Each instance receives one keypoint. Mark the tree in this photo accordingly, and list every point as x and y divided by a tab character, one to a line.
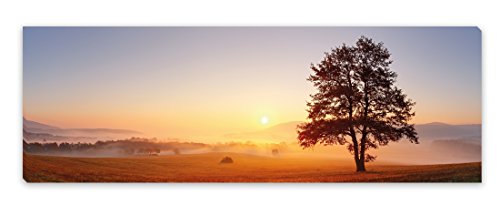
357	103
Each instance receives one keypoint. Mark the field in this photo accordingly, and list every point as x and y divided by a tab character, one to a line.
246	168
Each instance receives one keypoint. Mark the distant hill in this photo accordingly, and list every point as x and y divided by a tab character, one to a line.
283	129
431	131
48	138
34	127
441	130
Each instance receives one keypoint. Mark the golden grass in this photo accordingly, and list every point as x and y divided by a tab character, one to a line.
246	168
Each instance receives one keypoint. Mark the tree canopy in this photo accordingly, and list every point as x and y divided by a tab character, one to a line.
357	102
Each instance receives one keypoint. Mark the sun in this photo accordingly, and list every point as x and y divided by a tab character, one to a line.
264	120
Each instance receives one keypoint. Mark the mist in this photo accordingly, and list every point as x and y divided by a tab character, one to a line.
439	144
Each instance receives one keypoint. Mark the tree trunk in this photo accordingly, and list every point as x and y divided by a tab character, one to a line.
356	152
360	166
360	162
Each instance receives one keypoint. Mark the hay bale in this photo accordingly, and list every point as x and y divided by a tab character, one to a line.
226	160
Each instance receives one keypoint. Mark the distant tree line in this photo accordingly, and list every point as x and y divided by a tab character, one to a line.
133	146
144	146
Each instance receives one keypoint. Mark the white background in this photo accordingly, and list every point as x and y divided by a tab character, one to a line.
16	14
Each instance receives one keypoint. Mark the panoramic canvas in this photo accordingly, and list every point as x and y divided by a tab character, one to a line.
251	104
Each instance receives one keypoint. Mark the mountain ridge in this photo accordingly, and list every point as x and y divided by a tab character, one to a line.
37	127
286	131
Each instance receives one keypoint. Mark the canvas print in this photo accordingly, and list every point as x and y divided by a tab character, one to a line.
251	104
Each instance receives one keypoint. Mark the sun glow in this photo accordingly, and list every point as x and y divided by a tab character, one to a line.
264	120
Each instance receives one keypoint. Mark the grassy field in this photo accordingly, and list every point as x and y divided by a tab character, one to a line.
246	168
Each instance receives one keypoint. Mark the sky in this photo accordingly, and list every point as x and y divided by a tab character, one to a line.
189	82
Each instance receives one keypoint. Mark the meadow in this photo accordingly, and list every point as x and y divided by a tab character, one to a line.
206	167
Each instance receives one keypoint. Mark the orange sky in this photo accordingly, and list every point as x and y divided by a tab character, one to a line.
204	82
